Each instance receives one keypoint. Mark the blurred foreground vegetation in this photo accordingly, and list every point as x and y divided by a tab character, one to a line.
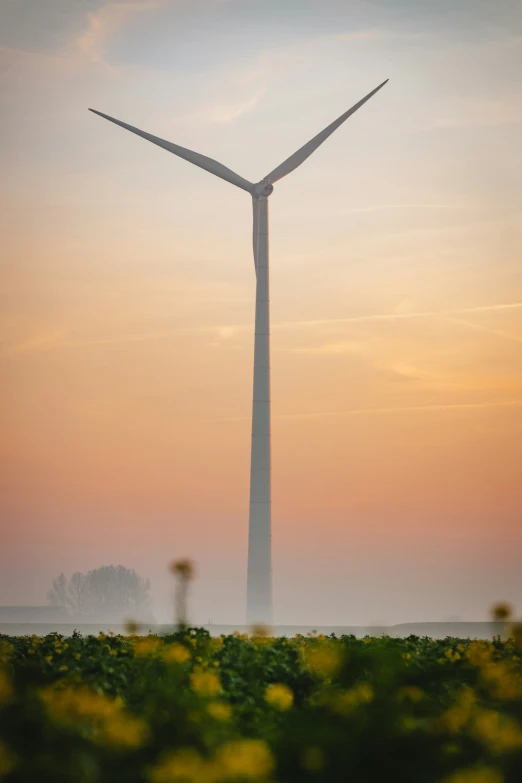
189	708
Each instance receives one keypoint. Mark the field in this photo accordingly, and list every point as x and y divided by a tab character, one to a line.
189	708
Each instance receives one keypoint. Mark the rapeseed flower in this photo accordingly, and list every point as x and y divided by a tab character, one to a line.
324	660
502	612
279	696
94	715
176	653
500	733
184	765
219	710
458	716
480	653
205	684
503	682
124	731
344	702
147	646
183	568
248	759
478	774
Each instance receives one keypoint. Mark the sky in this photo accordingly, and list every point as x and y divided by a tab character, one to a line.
127	301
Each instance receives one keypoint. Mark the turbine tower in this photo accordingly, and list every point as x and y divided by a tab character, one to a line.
259	575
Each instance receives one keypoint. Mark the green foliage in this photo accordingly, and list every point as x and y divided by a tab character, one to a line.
188	708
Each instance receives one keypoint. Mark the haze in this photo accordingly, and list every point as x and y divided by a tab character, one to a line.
127	298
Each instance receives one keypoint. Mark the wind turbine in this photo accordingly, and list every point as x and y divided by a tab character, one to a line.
259	575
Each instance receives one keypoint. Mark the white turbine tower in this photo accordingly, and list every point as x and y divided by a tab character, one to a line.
259	576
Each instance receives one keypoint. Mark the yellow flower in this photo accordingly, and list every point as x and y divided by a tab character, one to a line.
6	651
176	653
516	635
132	627
6	689
454	719
219	710
125	731
312	759
183	568
499	733
479	774
324	660
94	715
502	612
147	646
181	765
261	632
7	759
452	655
249	758
279	696
344	702
63	668
205	684
480	653
504	683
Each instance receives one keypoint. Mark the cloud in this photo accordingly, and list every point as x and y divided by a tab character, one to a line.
57	339
379	207
398	316
102	24
38	343
405	409
223	113
332	348
400	409
487	330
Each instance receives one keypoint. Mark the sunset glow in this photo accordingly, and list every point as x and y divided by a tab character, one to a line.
127	297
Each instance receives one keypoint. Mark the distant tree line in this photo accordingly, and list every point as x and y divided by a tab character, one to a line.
109	590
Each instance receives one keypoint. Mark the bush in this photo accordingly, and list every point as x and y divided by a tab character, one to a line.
188	708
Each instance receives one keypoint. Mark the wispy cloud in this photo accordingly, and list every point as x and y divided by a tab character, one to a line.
392	410
37	343
398	316
405	409
223	113
332	348
105	22
382	207
487	330
59	339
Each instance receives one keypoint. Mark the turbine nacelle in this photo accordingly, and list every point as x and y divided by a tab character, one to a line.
262	188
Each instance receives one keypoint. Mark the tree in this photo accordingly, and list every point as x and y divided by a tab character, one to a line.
57	594
103	591
77	592
117	589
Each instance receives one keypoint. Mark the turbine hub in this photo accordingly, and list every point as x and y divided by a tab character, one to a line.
263	188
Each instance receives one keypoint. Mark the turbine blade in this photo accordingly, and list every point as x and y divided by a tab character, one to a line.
255	211
193	157
304	152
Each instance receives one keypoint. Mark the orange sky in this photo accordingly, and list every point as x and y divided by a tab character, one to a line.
127	290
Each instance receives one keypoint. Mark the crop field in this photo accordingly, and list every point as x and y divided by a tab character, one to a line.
189	708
